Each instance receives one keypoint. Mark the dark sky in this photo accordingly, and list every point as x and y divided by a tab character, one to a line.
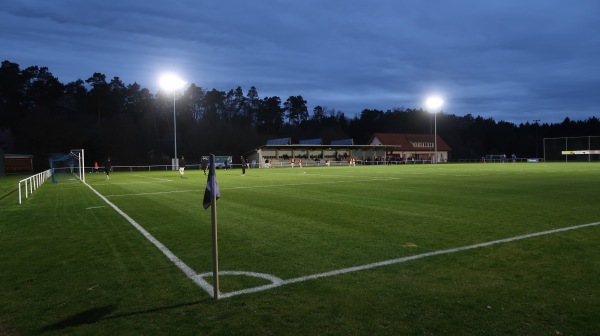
511	60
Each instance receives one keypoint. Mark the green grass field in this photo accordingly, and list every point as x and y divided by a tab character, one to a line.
72	264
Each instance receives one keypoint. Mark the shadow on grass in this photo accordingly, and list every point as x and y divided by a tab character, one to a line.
154	310
89	316
94	315
8	194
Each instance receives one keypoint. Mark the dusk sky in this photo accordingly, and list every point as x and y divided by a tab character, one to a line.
511	60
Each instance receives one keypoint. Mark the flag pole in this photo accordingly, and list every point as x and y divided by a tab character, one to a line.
215	247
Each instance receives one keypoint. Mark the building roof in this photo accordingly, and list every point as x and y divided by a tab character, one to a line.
342	142
281	141
409	142
311	142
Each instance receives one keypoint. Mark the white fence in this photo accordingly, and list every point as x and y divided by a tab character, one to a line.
32	183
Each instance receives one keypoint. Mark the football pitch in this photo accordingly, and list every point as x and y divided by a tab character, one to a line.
448	249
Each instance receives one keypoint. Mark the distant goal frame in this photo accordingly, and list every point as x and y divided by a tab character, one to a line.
572	149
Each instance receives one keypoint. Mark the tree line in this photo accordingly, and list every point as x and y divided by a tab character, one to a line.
40	115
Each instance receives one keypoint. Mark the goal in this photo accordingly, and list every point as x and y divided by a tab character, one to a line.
572	149
69	167
495	158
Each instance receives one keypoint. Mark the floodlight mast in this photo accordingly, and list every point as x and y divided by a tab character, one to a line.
434	105
173	83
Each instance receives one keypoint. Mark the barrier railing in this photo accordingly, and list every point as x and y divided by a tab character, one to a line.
32	183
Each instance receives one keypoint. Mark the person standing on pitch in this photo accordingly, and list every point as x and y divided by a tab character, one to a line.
107	168
204	165
181	166
244	164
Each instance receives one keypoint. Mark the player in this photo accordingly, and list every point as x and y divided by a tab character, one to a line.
181	166
244	165
204	165
107	168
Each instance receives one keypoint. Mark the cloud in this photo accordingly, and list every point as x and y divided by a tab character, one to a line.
509	60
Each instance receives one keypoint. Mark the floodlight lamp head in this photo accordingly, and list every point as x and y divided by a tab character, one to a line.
171	82
434	104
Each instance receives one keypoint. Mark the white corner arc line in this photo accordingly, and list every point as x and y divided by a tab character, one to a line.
180	264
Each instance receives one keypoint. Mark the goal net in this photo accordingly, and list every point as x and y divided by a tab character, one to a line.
572	149
495	158
68	168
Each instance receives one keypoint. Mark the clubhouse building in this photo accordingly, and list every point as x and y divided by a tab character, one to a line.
392	148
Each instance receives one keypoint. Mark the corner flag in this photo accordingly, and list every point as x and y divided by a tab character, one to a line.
211	194
212	187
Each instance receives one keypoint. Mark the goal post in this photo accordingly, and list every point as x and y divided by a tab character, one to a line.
69	167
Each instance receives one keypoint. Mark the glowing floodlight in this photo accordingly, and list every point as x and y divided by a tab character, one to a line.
173	83
434	105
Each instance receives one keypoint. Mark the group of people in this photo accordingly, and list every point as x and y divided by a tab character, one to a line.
182	163
293	162
107	167
204	165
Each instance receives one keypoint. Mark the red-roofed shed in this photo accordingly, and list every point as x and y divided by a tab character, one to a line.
412	146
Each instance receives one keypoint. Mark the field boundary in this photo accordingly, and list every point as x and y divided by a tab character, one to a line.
277	282
170	255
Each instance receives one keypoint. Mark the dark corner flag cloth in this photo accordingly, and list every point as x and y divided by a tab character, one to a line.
212	188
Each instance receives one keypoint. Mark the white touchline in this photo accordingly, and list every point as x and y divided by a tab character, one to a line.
156	193
399	260
314	183
182	266
154	178
277	282
254	187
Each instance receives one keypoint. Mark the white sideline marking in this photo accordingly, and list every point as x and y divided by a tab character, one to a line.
103	182
277	282
314	183
96	207
182	266
154	178
256	187
155	193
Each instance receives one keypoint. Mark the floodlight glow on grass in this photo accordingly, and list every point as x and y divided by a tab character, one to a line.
434	104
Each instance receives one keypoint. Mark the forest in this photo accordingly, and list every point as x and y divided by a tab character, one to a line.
40	116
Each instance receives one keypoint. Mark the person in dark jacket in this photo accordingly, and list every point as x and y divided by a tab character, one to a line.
107	168
204	165
244	165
